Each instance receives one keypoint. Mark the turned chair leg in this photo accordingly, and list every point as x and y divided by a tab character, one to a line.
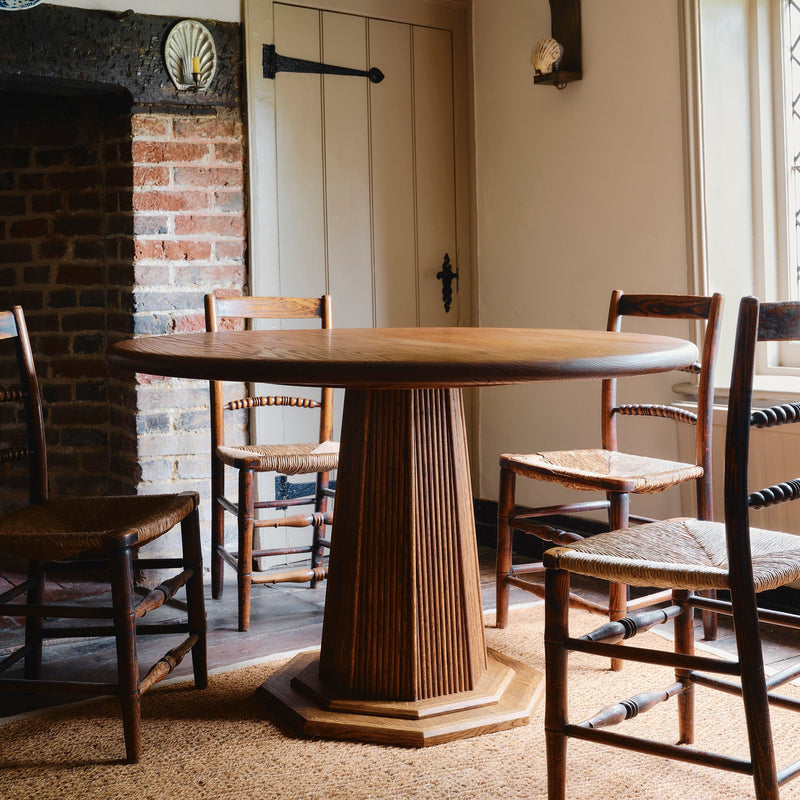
556	631
705	510
33	625
217	527
618	513
244	568
196	612
121	564
505	510
684	643
754	695
709	618
320	507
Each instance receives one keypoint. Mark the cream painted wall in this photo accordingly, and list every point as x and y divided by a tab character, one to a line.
579	191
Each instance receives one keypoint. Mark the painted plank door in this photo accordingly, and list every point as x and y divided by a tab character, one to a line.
359	189
366	183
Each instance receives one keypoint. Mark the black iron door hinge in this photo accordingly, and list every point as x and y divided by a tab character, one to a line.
274	62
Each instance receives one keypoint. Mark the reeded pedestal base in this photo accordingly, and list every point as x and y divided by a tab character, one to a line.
403	658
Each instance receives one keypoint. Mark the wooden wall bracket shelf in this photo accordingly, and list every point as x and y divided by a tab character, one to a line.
565	27
559	78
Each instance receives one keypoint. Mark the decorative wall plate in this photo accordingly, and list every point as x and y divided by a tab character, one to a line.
18	5
188	40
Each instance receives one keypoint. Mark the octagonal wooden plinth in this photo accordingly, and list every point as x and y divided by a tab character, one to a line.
504	698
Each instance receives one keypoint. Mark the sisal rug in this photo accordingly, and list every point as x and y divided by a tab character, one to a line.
220	744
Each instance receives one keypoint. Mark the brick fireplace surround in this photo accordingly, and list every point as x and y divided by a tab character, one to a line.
121	205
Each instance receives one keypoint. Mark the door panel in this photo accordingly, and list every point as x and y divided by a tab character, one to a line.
366	172
435	170
347	171
299	142
394	209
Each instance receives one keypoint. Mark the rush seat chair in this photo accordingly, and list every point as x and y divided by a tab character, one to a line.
318	458
686	556
607	469
94	534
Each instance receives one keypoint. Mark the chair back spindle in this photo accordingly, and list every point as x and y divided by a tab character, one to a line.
14	329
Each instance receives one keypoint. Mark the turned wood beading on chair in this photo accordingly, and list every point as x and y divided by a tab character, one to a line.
694	369
14	394
272	400
665	412
779	493
14	454
784	414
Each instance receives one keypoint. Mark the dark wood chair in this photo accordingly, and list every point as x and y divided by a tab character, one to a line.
686	556
320	458
607	469
93	534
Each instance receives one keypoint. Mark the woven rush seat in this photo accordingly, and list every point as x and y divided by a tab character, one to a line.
63	528
607	470
288	459
678	554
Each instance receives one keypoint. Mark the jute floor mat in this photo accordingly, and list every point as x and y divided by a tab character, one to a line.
220	744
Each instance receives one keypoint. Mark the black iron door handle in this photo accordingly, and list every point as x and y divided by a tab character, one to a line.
446	275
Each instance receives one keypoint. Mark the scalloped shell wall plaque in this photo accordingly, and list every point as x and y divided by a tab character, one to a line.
546	57
186	41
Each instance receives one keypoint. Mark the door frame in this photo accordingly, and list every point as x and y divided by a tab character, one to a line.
453	15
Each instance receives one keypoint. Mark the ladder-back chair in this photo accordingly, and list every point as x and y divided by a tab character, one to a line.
608	470
91	533
686	556
319	458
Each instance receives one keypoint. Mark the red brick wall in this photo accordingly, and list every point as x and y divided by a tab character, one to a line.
113	225
189	236
57	179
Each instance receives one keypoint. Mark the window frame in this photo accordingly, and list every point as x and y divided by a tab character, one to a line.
786	86
739	108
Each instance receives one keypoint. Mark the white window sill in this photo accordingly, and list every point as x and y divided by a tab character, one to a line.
767	390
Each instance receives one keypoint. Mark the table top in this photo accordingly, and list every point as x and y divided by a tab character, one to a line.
402	357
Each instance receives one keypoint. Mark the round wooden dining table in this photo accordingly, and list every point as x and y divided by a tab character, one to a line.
403	658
